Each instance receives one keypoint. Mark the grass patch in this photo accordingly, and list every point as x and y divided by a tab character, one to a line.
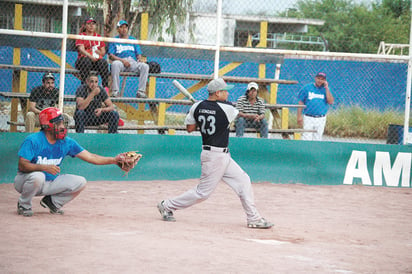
355	122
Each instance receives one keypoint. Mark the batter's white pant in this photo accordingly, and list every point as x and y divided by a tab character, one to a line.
140	67
217	166
62	190
316	123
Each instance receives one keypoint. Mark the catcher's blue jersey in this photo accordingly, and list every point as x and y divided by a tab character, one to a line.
38	150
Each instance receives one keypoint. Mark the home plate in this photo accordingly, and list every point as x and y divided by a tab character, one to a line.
267	242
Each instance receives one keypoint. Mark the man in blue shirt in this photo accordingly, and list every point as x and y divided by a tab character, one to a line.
40	157
127	57
316	97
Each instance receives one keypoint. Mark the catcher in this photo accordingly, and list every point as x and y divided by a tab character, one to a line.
40	157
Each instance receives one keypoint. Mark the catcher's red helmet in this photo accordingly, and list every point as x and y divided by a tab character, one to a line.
48	118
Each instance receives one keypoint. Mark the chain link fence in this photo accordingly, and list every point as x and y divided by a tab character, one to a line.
262	45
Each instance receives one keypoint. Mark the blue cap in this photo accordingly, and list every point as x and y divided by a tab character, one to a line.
121	23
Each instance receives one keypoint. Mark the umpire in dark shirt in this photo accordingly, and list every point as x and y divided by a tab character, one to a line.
94	107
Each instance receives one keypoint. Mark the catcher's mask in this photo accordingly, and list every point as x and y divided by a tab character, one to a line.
49	118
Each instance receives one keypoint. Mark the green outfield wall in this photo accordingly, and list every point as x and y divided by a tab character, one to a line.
168	157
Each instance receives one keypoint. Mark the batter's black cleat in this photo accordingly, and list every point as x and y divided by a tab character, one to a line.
166	215
24	211
262	224
46	202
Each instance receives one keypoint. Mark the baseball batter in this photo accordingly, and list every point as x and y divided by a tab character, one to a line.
213	117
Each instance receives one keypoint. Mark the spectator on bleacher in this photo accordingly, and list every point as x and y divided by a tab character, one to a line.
251	112
41	97
316	96
127	57
94	107
90	55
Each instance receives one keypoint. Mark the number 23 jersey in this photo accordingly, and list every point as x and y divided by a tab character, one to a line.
213	119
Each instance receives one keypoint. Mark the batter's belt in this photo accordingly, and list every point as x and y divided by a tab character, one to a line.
216	149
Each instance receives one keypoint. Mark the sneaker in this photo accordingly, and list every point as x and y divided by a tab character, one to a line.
262	223
141	94
166	215
115	94
46	202
23	211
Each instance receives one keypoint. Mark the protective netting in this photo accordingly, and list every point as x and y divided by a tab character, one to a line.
368	89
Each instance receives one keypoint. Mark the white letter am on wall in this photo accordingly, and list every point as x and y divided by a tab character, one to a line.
358	158
382	165
357	167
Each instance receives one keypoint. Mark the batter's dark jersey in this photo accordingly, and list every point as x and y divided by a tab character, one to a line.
213	119
44	99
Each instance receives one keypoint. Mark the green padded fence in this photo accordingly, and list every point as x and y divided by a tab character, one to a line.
169	157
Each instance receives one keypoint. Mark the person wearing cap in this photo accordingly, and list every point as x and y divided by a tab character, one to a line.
317	97
251	112
90	54
212	117
41	97
127	57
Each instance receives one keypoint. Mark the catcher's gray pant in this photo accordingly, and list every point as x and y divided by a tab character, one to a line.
218	166
62	190
140	67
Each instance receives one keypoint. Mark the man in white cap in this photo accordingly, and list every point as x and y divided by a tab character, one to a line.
213	117
127	57
251	112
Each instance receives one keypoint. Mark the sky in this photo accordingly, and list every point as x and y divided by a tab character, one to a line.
253	6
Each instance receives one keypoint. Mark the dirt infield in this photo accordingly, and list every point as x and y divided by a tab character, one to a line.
114	227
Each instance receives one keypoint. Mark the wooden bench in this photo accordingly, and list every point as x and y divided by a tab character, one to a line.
140	114
157	107
285	133
152	76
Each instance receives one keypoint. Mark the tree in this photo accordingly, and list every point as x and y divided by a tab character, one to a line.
397	8
357	28
161	13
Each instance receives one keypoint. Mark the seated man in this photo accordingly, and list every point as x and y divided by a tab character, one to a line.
42	97
90	54
127	57
89	111
251	112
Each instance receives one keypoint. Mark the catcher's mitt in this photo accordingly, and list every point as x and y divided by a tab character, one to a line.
128	160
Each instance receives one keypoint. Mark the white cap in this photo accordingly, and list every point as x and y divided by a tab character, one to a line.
218	84
252	85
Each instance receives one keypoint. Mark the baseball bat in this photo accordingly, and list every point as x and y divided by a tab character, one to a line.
184	91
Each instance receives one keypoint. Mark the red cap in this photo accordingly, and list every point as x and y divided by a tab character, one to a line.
89	20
